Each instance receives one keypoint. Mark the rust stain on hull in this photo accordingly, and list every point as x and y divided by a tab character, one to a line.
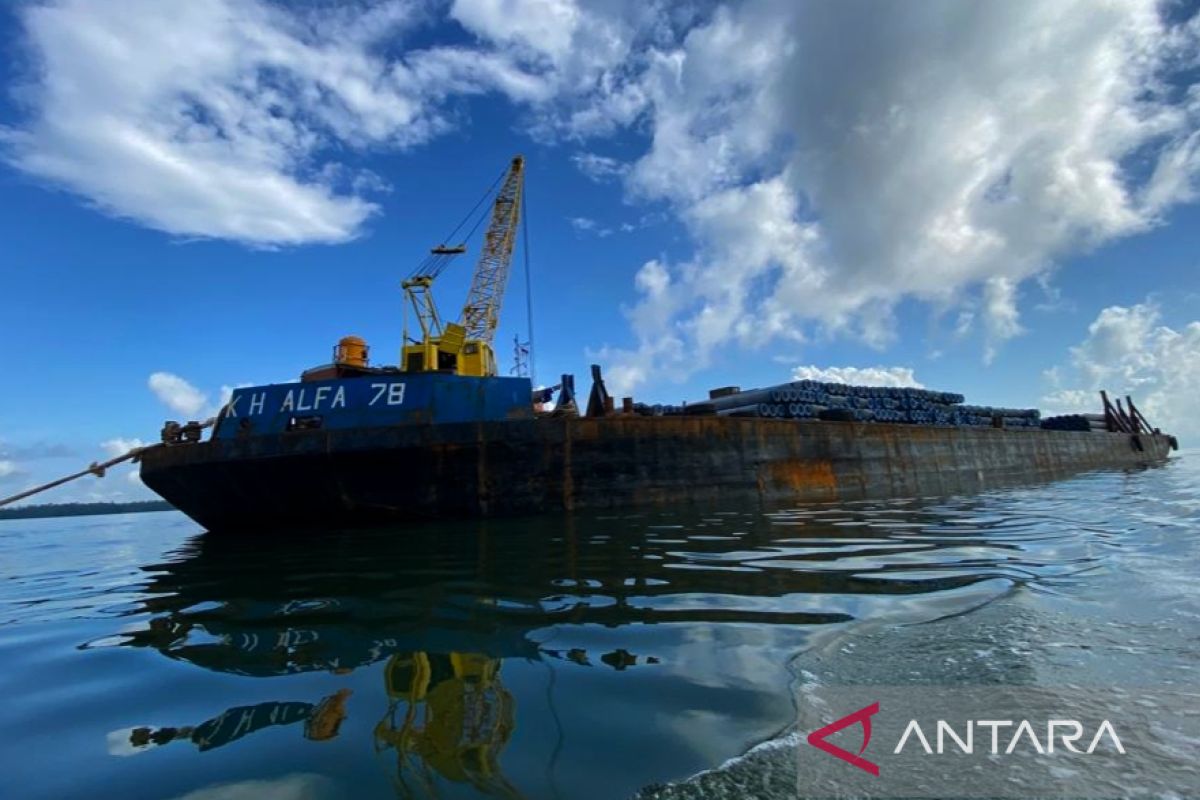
801	478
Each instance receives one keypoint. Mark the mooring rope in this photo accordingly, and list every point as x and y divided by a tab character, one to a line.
98	469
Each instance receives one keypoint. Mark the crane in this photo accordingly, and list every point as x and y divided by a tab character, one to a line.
465	347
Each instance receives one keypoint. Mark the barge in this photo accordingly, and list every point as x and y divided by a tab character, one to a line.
442	435
454	447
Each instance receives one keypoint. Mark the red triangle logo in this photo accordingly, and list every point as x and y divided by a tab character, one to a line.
863	715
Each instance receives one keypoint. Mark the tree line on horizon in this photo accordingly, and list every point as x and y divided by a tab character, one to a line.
81	509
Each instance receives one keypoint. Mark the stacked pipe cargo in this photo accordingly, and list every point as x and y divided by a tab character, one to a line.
1076	422
808	399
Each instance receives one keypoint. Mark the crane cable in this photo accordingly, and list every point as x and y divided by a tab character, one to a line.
528	285
434	263
98	469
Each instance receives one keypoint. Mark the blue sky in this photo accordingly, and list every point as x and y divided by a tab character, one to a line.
995	198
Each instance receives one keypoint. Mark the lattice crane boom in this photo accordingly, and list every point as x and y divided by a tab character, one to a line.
481	314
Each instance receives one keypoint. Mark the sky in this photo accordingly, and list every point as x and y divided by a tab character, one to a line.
996	198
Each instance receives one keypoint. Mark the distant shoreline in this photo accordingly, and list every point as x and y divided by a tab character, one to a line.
81	509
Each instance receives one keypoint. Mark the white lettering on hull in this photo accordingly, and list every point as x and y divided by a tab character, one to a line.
322	397
393	392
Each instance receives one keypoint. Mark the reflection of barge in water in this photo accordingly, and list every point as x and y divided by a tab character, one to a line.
441	435
235	604
466	624
437	639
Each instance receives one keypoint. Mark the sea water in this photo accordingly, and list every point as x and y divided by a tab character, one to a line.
665	653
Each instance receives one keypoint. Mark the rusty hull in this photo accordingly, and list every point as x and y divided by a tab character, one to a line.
320	478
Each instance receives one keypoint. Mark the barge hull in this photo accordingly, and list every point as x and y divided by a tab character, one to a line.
338	478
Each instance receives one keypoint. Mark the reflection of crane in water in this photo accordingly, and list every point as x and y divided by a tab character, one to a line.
448	715
321	723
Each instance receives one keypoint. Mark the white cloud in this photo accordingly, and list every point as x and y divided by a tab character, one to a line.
13	461
1001	317
177	394
207	119
861	154
183	397
599	168
590	226
545	27
120	446
1128	351
661	351
585	57
231	118
859	376
35	451
1071	401
750	238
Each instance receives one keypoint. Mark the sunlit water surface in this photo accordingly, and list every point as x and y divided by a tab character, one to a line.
584	656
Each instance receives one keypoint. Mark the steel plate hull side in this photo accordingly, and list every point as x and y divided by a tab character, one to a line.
322	478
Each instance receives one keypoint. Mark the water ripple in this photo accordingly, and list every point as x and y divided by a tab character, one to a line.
676	632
